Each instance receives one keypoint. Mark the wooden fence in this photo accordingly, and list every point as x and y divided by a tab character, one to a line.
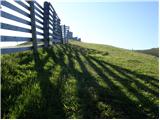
52	32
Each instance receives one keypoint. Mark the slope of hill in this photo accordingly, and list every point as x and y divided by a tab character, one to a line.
80	80
153	51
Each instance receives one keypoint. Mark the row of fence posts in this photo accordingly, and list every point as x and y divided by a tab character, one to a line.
45	27
50	19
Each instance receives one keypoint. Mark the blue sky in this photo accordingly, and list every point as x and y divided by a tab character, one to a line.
131	25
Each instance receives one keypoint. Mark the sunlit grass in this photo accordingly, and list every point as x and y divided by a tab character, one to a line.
80	80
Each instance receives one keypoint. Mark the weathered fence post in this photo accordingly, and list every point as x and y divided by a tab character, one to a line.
64	41
46	24
33	29
53	26
61	34
59	30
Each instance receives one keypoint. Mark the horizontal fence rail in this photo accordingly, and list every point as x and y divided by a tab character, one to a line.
17	49
13	50
42	20
13	39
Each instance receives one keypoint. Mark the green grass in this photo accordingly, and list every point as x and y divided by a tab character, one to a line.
153	51
80	80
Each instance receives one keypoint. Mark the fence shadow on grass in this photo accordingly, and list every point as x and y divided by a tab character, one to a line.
90	109
85	83
128	107
94	100
50	104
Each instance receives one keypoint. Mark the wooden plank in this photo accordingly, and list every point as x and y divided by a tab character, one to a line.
39	27
15	28
12	17
36	8
38	21
39	5
37	14
14	39
52	20
26	1
10	6
51	12
52	16
22	4
52	24
51	28
51	8
13	50
39	33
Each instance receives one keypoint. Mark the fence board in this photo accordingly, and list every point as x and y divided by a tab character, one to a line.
14	39
12	17
38	21
51	12
36	8
54	17
51	28
51	22
37	14
39	33
22	4
9	5
51	8
15	28
39	27
47	14
50	18
13	50
39	5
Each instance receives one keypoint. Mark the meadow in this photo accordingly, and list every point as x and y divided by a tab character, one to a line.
80	80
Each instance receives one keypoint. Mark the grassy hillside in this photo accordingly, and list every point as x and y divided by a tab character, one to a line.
153	51
80	80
